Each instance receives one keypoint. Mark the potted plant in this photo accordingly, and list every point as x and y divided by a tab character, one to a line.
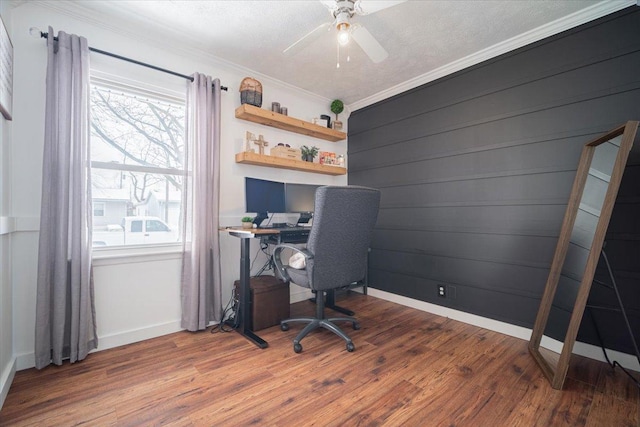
309	153
337	107
247	222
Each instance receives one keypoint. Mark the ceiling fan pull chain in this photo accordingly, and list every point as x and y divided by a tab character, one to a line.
338	57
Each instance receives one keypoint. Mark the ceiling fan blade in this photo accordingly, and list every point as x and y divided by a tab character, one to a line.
307	39
369	7
369	44
329	4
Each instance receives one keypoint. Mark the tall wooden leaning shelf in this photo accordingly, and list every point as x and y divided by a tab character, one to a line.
291	124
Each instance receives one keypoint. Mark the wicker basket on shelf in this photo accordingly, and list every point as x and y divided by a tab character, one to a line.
251	92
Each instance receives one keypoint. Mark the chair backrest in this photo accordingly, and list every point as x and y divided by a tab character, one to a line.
340	237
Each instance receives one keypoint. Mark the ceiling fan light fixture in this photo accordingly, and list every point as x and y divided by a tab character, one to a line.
343	11
343	33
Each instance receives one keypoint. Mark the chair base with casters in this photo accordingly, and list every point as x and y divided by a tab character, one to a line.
320	321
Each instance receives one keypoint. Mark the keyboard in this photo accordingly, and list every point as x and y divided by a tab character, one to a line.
278	225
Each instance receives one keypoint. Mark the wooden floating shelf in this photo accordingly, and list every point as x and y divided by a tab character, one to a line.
250	158
291	124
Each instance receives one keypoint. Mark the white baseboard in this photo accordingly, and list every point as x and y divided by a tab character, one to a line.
6	379
137	335
628	361
27	360
298	293
472	319
583	349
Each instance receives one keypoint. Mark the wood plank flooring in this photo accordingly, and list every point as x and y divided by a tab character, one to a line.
410	368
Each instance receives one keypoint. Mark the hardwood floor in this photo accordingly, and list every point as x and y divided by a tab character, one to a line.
410	368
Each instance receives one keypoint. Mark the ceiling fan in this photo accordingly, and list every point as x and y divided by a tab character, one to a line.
342	12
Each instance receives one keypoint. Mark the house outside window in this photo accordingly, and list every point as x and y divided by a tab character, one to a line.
137	155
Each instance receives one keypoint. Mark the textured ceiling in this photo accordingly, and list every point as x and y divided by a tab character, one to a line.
420	36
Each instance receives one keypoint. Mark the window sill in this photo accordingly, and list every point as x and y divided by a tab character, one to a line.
136	254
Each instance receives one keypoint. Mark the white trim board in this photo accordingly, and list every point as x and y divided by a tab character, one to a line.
576	19
7	225
298	293
27	223
587	350
6	379
27	360
136	335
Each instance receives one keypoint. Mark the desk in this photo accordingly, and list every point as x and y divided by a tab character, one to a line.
245	235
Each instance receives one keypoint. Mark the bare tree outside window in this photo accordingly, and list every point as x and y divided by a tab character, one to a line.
137	145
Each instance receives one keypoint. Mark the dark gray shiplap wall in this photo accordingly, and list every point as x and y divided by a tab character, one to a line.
623	251
476	168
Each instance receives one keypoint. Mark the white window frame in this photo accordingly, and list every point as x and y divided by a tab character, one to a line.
136	253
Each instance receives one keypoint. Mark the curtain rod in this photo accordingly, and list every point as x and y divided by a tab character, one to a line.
133	61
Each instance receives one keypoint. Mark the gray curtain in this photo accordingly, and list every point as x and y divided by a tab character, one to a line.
201	290
65	311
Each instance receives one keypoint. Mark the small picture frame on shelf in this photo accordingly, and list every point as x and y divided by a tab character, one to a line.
327	158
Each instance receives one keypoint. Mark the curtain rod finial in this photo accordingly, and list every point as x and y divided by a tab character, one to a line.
36	33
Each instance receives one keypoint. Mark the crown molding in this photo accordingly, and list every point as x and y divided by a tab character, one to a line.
75	10
583	16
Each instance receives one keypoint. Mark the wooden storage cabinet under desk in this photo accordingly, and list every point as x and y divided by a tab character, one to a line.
269	301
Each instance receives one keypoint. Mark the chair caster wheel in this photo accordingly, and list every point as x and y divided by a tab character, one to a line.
297	348
356	326
284	327
350	347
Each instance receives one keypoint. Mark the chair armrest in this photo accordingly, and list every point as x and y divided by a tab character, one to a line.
277	259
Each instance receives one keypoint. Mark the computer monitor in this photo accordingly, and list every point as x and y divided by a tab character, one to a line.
300	198
262	197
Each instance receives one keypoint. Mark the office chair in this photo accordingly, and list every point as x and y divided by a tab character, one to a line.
336	252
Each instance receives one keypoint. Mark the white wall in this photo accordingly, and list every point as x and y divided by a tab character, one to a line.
7	359
138	297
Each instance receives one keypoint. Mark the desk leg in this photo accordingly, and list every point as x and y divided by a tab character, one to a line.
331	303
243	310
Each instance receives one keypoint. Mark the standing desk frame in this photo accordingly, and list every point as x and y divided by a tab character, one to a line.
245	236
244	326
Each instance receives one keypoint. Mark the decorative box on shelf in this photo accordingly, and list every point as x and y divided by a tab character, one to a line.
286	152
320	122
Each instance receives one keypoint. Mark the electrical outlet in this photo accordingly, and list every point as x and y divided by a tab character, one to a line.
442	291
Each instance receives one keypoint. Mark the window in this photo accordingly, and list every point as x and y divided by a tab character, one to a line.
98	209
137	149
